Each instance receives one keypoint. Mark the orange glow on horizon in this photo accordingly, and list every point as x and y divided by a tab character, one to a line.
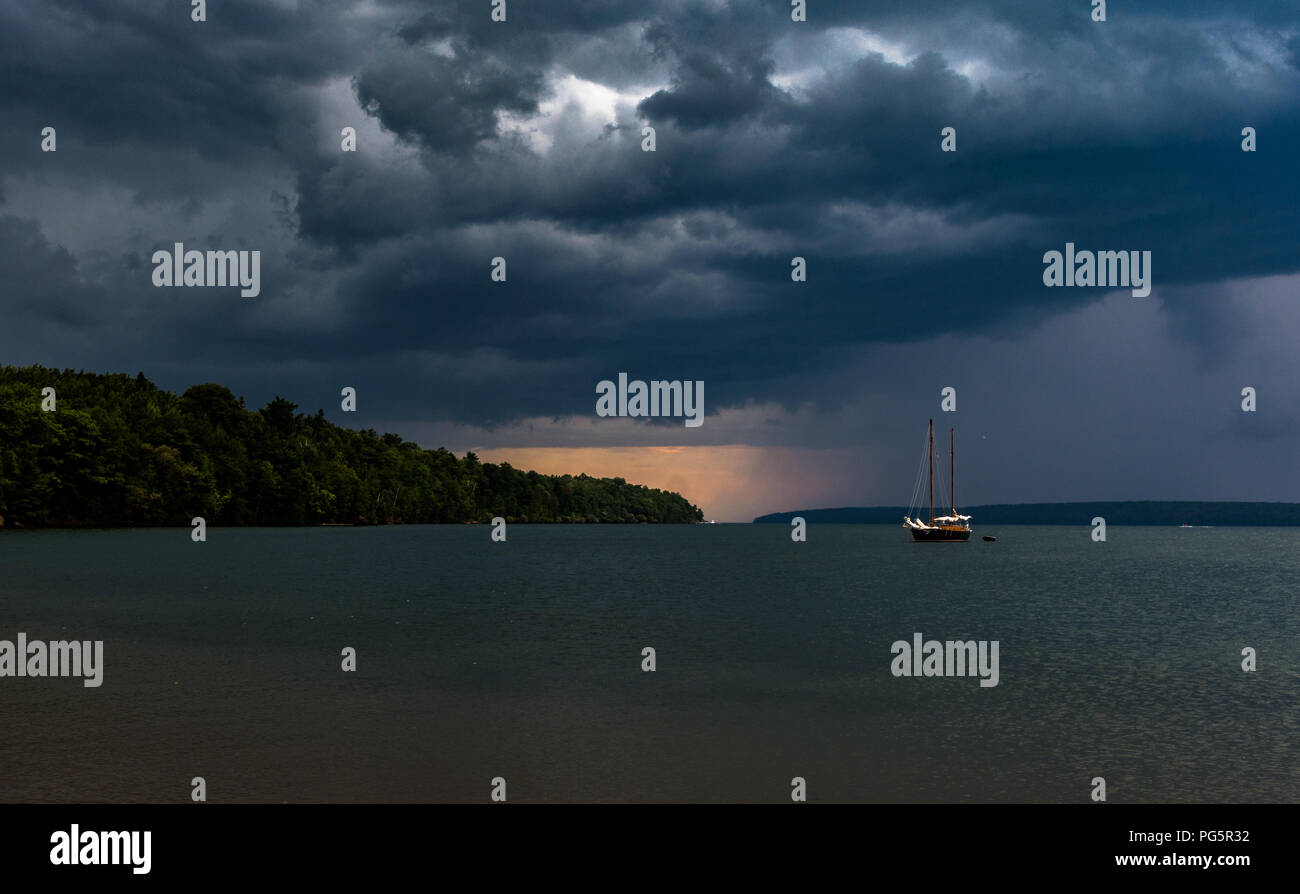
729	482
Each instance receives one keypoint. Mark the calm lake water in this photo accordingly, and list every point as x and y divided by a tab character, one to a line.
523	660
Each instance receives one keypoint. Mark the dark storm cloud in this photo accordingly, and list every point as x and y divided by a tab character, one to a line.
774	140
117	73
41	280
449	105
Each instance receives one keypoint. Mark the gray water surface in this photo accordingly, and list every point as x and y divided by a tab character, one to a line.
523	660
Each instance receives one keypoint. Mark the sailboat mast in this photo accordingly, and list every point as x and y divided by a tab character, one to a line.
931	471
952	470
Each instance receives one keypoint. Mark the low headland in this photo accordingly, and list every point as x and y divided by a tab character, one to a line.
93	450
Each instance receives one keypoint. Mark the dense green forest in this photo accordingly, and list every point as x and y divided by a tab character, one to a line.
119	451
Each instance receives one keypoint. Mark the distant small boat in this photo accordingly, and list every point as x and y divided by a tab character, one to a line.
988	539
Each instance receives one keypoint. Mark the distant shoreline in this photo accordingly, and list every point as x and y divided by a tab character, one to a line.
1116	512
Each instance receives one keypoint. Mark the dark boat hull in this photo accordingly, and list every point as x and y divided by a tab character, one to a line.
941	535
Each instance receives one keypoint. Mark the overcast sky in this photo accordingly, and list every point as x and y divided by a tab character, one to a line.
774	139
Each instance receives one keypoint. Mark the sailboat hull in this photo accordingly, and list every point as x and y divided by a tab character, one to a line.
941	535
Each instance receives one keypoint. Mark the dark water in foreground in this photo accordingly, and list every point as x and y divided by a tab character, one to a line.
523	660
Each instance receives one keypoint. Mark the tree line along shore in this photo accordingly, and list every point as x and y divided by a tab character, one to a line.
117	451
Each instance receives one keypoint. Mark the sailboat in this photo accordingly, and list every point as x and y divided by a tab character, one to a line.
944	528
